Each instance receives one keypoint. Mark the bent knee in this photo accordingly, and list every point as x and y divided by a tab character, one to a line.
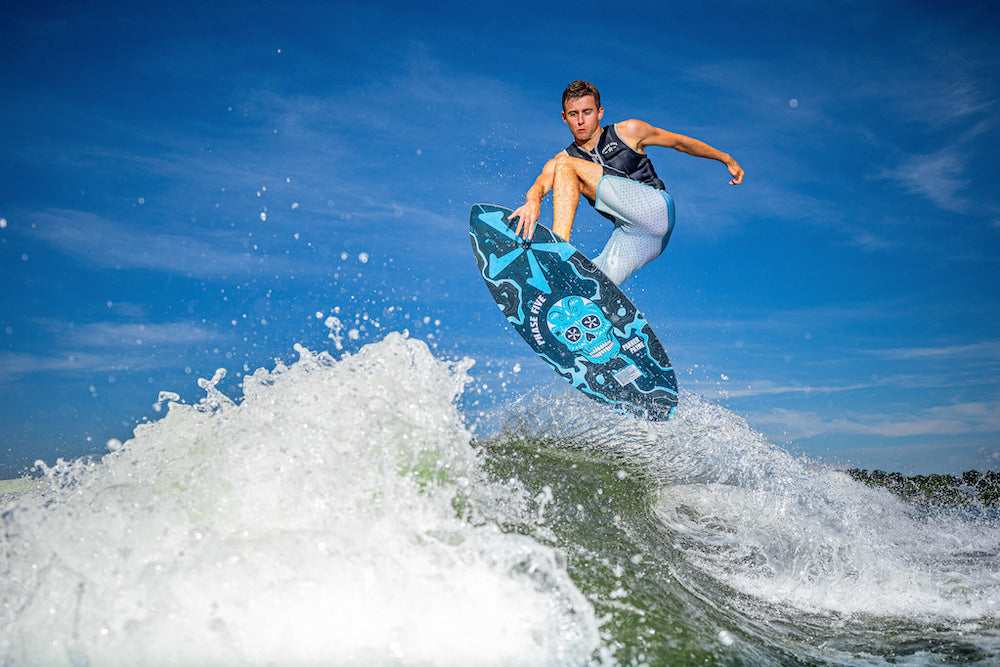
586	172
578	165
563	163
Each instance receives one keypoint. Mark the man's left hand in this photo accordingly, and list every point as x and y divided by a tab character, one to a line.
736	171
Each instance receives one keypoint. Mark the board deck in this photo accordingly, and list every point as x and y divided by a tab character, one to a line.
573	317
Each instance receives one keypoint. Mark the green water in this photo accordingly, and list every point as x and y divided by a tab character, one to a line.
659	608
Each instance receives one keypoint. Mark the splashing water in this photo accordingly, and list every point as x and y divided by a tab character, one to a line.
341	512
333	515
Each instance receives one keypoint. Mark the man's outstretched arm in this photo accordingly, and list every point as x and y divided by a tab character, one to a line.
641	134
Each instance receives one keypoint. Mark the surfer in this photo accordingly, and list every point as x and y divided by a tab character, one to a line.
609	167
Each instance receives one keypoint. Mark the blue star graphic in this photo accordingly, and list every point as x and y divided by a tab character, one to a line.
494	219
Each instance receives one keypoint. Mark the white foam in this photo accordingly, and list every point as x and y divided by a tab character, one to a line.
782	531
314	521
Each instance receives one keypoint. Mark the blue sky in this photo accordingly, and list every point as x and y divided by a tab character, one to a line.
185	187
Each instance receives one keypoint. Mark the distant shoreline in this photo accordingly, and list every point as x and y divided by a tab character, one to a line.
12	487
972	488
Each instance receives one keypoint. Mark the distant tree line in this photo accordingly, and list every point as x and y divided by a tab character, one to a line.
972	488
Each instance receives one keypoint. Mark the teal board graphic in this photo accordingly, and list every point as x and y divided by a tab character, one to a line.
573	317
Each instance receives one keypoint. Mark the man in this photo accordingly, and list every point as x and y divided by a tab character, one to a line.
609	167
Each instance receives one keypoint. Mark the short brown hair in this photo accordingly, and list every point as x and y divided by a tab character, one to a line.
578	89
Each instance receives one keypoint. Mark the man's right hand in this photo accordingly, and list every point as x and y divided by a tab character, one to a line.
531	209
528	214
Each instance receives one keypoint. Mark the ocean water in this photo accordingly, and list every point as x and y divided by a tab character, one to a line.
345	511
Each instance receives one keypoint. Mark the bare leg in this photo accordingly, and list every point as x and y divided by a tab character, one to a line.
573	177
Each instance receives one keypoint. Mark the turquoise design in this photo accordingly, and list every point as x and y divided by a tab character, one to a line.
572	316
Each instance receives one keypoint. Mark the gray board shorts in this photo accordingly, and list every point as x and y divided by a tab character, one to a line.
644	218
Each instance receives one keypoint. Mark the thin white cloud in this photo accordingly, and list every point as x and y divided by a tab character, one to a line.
102	347
113	334
99	241
987	350
939	177
769	388
800	321
869	240
15	366
956	419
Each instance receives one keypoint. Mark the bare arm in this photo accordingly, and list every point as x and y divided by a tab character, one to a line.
531	210
640	134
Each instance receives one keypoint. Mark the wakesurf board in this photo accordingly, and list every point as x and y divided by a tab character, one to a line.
572	316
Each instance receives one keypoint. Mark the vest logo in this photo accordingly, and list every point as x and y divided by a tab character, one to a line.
610	147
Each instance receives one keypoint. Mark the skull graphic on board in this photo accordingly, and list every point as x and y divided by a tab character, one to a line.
580	325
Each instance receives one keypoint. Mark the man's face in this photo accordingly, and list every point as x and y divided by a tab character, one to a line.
583	118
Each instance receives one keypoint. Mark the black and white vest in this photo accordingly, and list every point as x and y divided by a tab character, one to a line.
618	158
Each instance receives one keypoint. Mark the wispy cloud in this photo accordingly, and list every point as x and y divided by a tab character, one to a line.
98	241
769	388
326	154
987	350
15	366
102	347
112	334
102	242
939	177
956	419
800	320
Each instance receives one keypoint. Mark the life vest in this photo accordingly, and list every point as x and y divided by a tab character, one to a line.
618	158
